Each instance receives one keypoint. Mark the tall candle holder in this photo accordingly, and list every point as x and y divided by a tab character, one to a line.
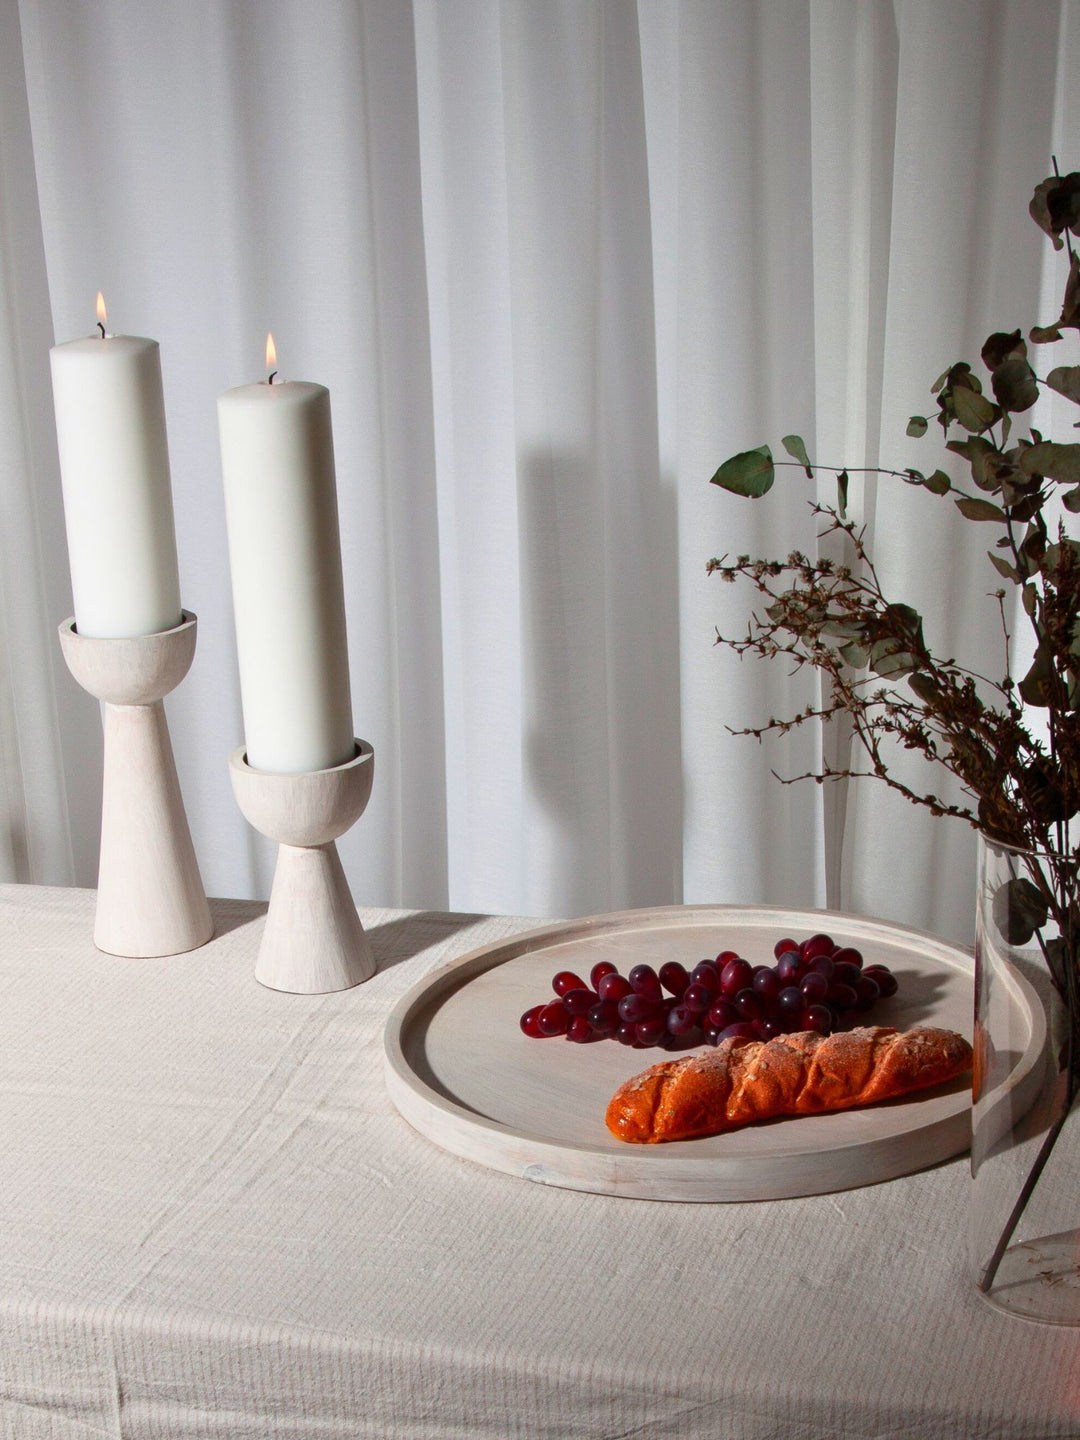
150	898
313	941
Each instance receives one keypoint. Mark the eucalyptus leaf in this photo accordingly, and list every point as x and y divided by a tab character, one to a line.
1001	345
1019	910
854	655
887	658
1036	688
916	426
973	410
795	447
842	493
938	483
1004	568
925	687
1014	384
1071	500
1066	381
749	473
976	509
1056	462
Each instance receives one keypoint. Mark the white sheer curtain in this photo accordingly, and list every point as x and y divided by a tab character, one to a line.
555	260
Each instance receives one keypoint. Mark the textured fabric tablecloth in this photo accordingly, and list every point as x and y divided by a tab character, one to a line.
213	1223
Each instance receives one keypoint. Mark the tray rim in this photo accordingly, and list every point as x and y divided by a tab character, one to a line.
414	1097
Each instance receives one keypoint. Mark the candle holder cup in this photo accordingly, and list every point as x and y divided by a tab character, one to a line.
150	899
313	941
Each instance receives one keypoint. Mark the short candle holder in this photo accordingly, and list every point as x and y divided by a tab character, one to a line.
313	941
150	898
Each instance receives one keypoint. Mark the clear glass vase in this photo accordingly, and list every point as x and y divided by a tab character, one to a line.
1024	1240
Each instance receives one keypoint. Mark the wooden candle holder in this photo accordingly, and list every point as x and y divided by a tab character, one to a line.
313	941
150	898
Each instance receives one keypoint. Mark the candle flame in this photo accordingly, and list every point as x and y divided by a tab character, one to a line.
271	352
101	315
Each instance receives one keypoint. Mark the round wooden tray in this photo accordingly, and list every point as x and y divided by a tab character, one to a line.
460	1071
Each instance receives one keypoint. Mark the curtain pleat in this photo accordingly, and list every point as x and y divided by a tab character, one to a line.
555	260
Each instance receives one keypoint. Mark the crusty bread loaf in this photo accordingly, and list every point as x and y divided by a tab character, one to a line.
802	1074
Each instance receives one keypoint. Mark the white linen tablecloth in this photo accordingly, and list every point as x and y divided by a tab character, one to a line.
213	1223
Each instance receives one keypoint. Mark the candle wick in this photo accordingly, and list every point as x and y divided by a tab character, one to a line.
101	327
271	379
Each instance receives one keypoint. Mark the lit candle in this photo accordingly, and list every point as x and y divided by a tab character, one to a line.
114	471
277	461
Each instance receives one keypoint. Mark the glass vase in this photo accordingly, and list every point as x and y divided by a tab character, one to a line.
1024	1240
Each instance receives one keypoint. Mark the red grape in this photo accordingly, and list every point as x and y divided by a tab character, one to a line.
814	987
790	1002
735	976
697	998
673	977
886	980
725	957
767	984
604	1017
579	1002
634	1007
722	1014
529	1025
840	996
817	945
579	1030
824	965
566	980
867	991
681	1021
782	946
599	970
553	1019
613	986
744	1030
848	956
789	967
819	1018
644	980
705	973
650	1030
749	1004
626	1034
845	974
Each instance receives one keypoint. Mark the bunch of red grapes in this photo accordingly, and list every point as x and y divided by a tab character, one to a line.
814	985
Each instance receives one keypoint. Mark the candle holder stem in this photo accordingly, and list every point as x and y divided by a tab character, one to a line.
150	898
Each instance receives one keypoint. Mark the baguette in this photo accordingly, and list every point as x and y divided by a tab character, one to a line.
742	1081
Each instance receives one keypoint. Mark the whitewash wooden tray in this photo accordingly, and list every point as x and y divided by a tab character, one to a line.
461	1072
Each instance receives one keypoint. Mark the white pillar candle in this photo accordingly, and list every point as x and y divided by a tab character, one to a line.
114	469
277	460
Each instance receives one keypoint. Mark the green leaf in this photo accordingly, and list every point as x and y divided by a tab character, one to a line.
854	654
973	410
1071	500
1019	910
794	446
1014	385
916	426
749	473
976	509
842	493
1066	381
939	382
1056	462
938	483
